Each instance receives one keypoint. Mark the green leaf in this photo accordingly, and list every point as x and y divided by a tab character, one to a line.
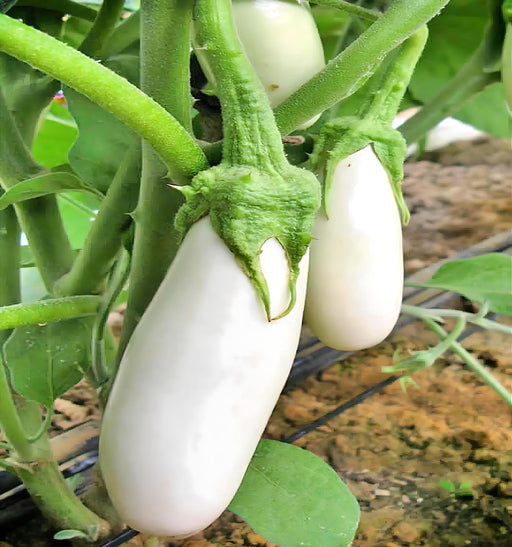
78	210
453	37
102	139
447	485
70	534
45	361
55	137
293	498
486	278
51	183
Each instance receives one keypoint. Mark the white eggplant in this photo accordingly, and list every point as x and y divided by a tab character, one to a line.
355	279
196	386
282	43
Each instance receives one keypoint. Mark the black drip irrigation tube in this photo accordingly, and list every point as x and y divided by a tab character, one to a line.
311	359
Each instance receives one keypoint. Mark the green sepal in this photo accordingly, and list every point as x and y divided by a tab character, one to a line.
344	136
247	206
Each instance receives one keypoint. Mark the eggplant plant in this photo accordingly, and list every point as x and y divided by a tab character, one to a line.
160	153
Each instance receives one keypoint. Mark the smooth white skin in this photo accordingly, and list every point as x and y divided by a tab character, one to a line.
196	386
282	43
355	279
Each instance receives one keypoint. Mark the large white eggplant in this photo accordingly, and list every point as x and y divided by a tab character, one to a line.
196	386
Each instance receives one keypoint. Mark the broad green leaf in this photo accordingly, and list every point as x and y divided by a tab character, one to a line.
453	37
102	139
55	137
486	278
45	361
51	183
294	499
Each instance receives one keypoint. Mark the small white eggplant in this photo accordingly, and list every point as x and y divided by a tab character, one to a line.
196	386
355	279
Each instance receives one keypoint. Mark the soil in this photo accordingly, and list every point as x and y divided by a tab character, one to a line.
393	449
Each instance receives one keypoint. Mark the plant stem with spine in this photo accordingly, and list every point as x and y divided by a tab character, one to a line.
165	76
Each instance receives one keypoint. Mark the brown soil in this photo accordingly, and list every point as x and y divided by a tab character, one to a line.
393	449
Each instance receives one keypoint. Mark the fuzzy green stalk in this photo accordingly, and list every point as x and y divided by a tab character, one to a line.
104	238
161	130
469	81
352	9
438	314
165	76
250	133
103	26
124	35
39	218
473	364
351	68
10	288
47	311
66	7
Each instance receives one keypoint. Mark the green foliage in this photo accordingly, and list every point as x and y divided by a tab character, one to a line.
483	279
51	183
47	360
103	139
464	490
454	37
293	498
56	135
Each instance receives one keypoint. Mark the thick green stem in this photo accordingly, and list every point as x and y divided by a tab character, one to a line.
124	35
66	7
353	9
50	492
250	134
165	76
10	422
104	24
170	140
349	70
471	362
46	485
104	238
47	311
39	218
468	82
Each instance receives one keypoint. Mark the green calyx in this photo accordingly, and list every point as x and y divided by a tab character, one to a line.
249	205
344	136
